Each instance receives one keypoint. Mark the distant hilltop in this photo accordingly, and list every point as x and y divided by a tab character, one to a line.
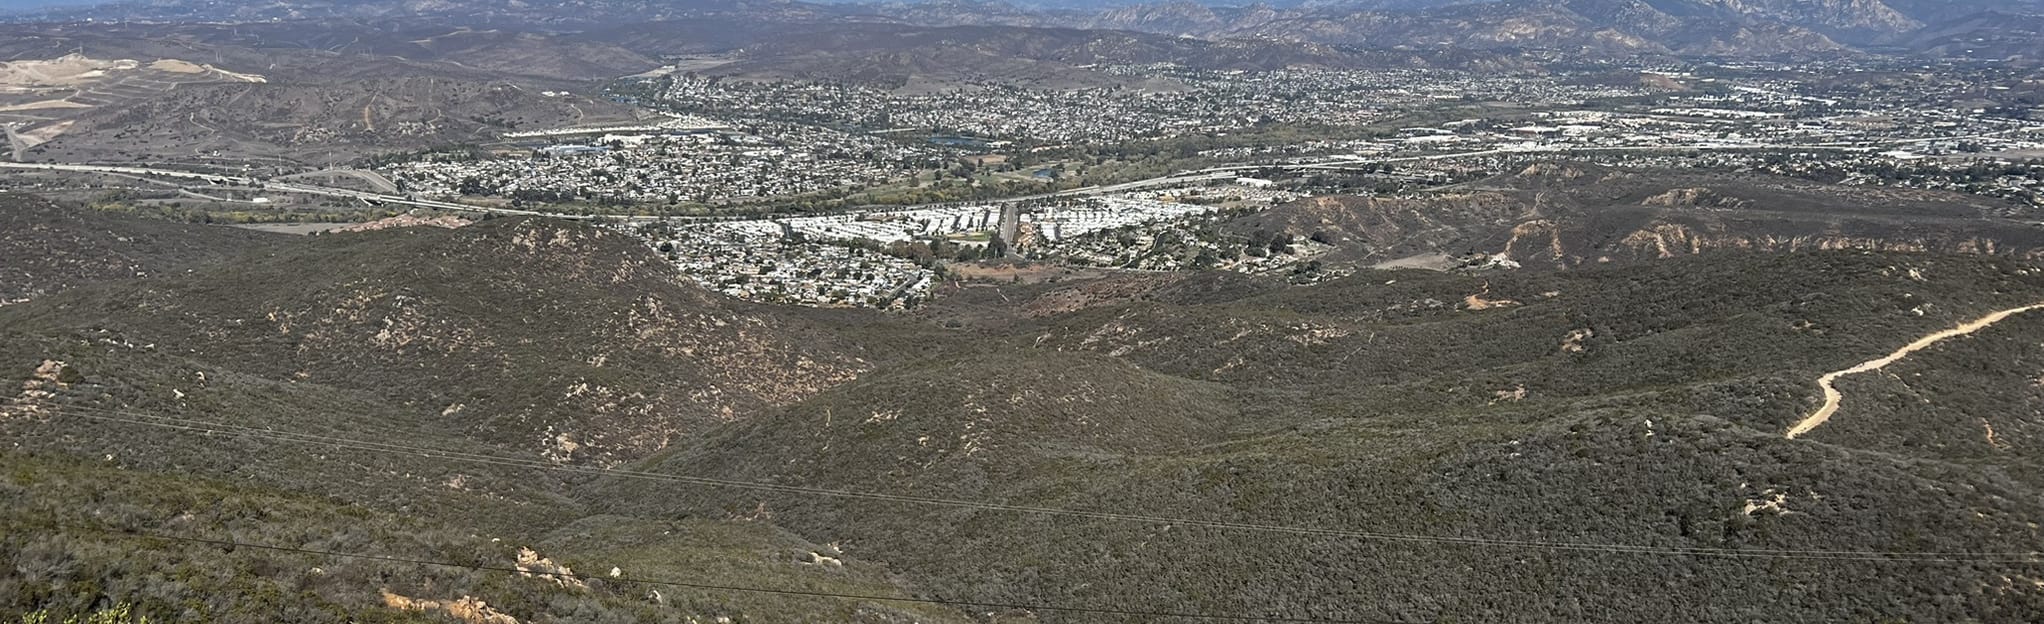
1715	27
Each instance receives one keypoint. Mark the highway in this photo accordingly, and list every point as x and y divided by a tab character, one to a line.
284	187
373	179
1338	163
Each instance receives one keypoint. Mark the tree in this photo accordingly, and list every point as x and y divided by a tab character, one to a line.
1281	243
70	375
997	248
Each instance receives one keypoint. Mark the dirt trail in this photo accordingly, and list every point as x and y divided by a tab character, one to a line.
1832	396
15	146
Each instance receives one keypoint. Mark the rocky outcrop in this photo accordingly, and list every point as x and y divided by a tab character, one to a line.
468	609
42	385
1695	198
444	221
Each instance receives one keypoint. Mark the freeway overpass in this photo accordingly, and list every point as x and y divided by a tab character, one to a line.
1184	177
375	180
283	187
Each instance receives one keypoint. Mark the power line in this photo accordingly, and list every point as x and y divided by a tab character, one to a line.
302	438
730	588
184	424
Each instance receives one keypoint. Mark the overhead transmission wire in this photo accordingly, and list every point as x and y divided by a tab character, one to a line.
231	544
208	427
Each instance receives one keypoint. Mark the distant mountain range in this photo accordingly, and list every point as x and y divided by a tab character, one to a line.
1690	27
22	6
1855	22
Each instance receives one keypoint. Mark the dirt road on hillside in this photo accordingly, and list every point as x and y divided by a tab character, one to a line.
1832	396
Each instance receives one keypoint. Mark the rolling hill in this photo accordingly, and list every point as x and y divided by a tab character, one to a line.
46	248
1571	214
1535	445
569	376
301	92
1640	405
326	122
1742	28
139	408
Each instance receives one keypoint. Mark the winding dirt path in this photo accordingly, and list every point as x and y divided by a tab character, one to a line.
1832	396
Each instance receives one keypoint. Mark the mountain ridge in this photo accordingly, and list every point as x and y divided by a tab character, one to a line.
1732	27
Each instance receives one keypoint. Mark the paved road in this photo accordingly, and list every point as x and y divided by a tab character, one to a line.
375	180
1184	177
284	187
